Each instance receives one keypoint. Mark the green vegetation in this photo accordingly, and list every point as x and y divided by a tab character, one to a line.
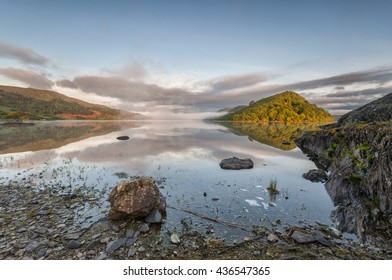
287	106
34	104
273	187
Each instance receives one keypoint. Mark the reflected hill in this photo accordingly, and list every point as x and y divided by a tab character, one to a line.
50	135
278	135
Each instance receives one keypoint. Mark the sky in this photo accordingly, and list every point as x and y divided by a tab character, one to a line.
189	59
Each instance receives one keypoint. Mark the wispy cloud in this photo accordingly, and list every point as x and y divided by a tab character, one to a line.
24	55
28	77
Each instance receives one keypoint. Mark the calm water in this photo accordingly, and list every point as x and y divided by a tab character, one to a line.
183	157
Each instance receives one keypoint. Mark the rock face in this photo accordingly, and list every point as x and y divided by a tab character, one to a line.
236	163
358	153
135	199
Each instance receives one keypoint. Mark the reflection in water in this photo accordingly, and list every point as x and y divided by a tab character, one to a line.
51	135
183	157
278	135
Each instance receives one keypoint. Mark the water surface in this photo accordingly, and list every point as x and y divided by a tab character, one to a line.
183	157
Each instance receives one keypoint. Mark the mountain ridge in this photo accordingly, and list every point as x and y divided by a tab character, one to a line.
37	104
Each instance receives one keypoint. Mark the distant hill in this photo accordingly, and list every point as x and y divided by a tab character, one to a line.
287	106
37	104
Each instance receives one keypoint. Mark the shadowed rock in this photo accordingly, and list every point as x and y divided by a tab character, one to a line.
316	175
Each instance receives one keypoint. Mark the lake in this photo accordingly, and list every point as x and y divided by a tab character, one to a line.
183	157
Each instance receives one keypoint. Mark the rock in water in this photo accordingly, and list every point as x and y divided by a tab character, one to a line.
316	175
135	199
272	238
122	137
236	163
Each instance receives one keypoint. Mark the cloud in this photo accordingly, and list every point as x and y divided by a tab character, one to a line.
66	84
334	93
235	81
28	77
24	55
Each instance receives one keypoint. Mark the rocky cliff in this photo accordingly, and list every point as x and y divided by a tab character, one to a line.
357	152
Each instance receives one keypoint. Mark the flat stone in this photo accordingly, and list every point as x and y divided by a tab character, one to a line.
131	241
301	237
73	235
272	238
144	228
321	238
114	245
32	246
154	217
131	252
73	244
95	236
41	230
41	253
236	163
141	249
129	234
91	253
102	257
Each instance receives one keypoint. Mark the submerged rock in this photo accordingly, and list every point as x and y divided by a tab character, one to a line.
236	163
316	175
135	199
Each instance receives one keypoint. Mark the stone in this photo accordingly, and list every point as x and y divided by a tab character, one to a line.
135	199
301	237
41	253
236	163
175	239
141	249
321	238
73	244
129	234
272	238
102	257
122	137
316	175
144	228
131	241
114	245
131	252
32	246
41	230
154	217
73	235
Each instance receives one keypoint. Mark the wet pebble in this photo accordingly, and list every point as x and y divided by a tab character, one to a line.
41	253
114	245
32	246
131	252
144	228
154	217
141	249
272	238
73	244
41	230
102	257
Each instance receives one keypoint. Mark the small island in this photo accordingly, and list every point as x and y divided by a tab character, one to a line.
287	106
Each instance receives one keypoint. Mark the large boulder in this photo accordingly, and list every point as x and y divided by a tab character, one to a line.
236	163
135	199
